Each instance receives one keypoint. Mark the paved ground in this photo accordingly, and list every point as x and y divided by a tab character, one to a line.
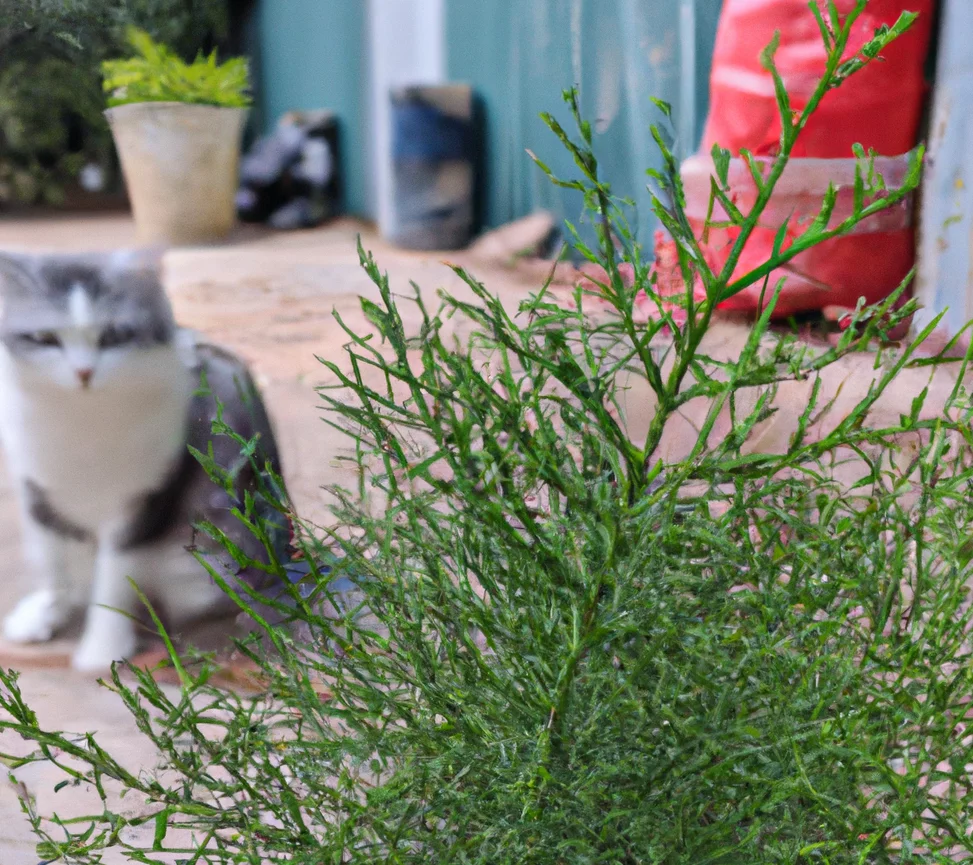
271	298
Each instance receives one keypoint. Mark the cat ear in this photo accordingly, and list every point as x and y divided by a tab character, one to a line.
10	261
16	272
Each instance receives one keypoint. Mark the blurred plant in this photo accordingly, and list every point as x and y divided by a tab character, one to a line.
559	647
94	25
155	74
51	126
50	119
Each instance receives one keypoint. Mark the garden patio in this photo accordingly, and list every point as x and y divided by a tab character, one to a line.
270	297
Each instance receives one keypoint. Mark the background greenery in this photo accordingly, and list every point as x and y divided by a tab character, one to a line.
50	81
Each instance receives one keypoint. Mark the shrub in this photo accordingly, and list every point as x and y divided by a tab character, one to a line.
156	74
44	142
563	648
96	26
51	126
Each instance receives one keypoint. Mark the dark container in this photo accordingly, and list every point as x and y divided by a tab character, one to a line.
433	175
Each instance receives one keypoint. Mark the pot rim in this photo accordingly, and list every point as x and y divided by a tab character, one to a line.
168	105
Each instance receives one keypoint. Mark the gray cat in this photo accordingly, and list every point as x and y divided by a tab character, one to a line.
100	399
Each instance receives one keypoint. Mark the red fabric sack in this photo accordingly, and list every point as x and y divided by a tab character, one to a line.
879	107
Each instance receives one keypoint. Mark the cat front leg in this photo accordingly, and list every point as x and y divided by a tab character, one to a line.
109	630
60	559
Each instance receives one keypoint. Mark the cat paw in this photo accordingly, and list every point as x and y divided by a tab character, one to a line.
36	618
97	651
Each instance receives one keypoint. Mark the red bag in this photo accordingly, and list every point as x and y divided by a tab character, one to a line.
868	263
879	107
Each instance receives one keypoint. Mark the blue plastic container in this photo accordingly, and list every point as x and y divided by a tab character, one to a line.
433	158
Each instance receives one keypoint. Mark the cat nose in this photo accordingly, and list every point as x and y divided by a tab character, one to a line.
84	376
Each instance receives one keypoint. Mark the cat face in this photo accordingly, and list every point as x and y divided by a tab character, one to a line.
83	322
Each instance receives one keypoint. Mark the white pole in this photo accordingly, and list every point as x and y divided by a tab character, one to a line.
945	269
407	46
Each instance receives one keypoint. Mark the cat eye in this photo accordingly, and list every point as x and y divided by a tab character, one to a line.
45	338
115	336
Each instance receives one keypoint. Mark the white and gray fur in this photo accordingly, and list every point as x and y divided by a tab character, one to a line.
100	399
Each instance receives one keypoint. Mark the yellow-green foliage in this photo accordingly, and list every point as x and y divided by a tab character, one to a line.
156	74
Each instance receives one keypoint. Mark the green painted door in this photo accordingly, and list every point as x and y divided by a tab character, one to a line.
520	54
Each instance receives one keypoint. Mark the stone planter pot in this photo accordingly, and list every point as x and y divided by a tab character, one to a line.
181	165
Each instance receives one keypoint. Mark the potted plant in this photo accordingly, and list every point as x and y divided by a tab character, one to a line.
177	127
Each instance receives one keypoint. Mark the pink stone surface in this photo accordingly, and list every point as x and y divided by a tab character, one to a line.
271	297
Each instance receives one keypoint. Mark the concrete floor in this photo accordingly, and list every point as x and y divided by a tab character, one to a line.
271	299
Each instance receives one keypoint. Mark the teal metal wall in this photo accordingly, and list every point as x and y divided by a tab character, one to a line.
313	55
520	54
